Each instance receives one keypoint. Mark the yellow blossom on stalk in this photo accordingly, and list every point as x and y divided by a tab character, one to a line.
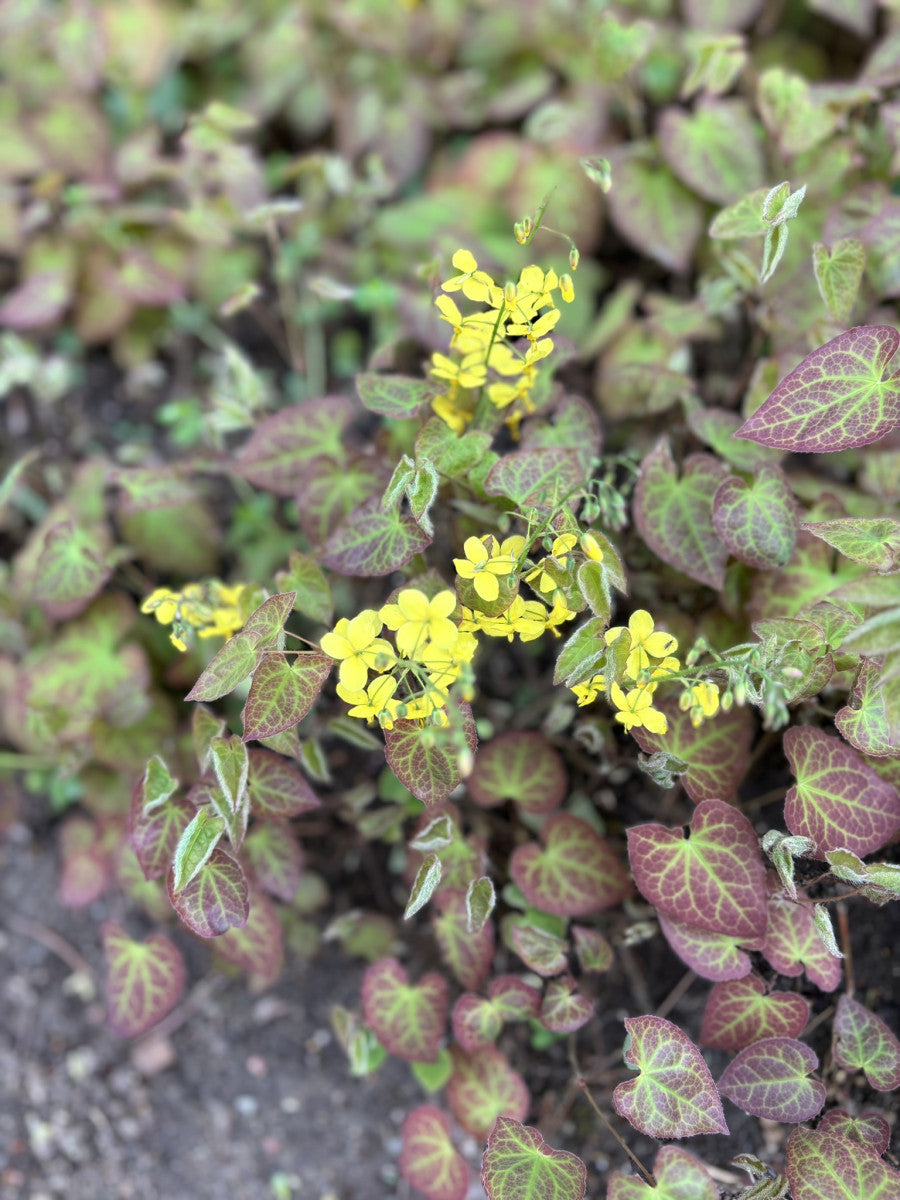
485	560
474	284
646	642
527	618
455	409
588	691
701	700
559	552
559	613
591	547
211	609
355	644
567	288
375	702
470	372
636	708
416	620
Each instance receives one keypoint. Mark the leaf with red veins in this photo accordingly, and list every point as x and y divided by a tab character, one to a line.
740	1011
838	800
713	956
769	1079
793	946
862	1041
467	953
408	1019
716	752
826	1166
713	879
871	1128
565	1008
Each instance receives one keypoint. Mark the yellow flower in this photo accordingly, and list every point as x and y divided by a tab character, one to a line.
470	372
559	613
357	647
588	691
701	700
376	702
558	554
567	288
486	560
591	547
416	620
474	284
527	618
646	643
454	410
636	709
163	603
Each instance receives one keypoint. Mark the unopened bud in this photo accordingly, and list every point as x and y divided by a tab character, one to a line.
465	762
519	231
574	258
509	294
567	288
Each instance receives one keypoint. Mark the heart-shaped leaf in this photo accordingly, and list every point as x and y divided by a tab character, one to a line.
678	1175
839	397
155	834
653	210
542	478
838	800
863	1041
71	569
593	950
716	150
871	721
874	541
714	879
370	541
839	270
674	1096
408	1019
426	760
519	1165
467	952
395	396
276	787
144	980
281	446
283	692
234	662
793	946
519	766
757	519
216	899
576	872
476	1022
826	1166
716	752
740	1011
769	1079
869	1128
541	951
564	1008
429	1161
312	594
715	956
482	1088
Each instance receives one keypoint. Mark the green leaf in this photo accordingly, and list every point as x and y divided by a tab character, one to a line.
678	1175
826	1166
156	833
195	847
268	620
716	150
144	980
544	478
874	541
519	1165
756	519
582	653
71	569
407	1019
205	726
716	427
333	488
434	1075
429	1161
878	882
653	210
452	454
395	396
373	542
839	272
871	721
793	945
519	766
862	1041
743	219
575	872
482	1088
467	952
231	765
427	878
790	113
480	902
282	445
276	787
839	397
674	1095
275	858
231	666
156	785
282	693
305	578
426	760
215	899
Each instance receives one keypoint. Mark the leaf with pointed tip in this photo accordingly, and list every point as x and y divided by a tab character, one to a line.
276	787
407	1019
581	653
426	760
874	541
714	879
541	951
838	800
370	541
756	519
715	956
878	882
216	899
427	878
231	765
716	149
740	1011
826	1166
716	752
482	1088
869	1128
519	1165
481	899
839	397
234	662
275	857
195	846
769	1079
144	980
678	1175
593	950
839	271
476	1022
283	692
564	1008
576	872
312	595
205	726
429	1161
451	454
396	396
862	1041
156	834
281	446
793	946
513	998
268	620
257	946
674	1096
871	721
653	210
675	516
544	478
468	953
520	766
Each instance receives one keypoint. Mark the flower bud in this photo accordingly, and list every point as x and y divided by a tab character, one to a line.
567	288
574	258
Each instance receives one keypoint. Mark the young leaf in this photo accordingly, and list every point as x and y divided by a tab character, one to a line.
283	692
716	753
575	873
482	1088
674	1096
451	454
268	620
426	760
433	1076
312	595
429	1161
564	1008
838	800
874	541
714	879
276	787
520	766
839	397
593	950
513	998
144	980
234	662
519	1165
155	835
231	765
826	1166
757	519
427	878
542	478
407	1019
205	726
469	953
679	1176
713	956
793	946
769	1079
476	1022
195	846
869	1128
740	1011
396	396
216	898
863	1041
282	445
370	541
480	902
156	785
839	271
582	653
878	882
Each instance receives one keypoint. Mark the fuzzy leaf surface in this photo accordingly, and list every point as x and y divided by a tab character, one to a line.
871	721
467	952
519	1165
679	1176
769	1079
144	980
874	541
870	1128
396	396
564	1008
793	946
537	478
283	692
216	899
576	872
371	541
716	752
429	1161
482	1088
155	835
520	766
862	1041
234	662
757	519
593	950
408	1019
826	1166
740	1011
426	760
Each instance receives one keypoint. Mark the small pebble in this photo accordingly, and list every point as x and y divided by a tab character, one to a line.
246	1105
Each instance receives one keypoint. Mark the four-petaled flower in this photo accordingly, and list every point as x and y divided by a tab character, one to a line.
486	560
416	620
636	709
473	284
646	643
376	702
357	647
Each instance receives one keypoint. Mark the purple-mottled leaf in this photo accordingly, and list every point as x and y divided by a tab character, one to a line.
396	396
716	150
257	946
71	569
740	1011
576	872
371	541
429	1161
155	834
874	541
807	580
144	980
333	488
450	453
87	866
481	900
714	879
564	1008
713	956
216	899
880	238
769	1079
513	998
674	1096
283	691
716	427
826	1166
757	519
231	764
840	396
678	1175
869	1128
541	951
482	1088
197	842
277	789
674	516
838	800
231	665
862	1041
542	478
275	858
468	953
593	950
37	302
282	445
653	210
519	1165
793	946
570	422
312	594
269	618
716	752
839	271
408	1019
426	760
520	766
476	1022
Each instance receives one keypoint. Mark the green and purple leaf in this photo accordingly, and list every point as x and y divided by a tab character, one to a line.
426	760
257	946
576	872
370	541
679	1176
740	1011
863	1042
594	952
481	900
268	620
715	956
396	396
544	478
714	879
564	1008
482	1088
871	721
234	662
312	594
716	149
793	946
467	952
283	692
839	397
144	980
826	1166
869	1128
874	541
71	569
513	998
429	1161
195	846
674	1096
277	789
757	518
520	766
769	1079
653	210
427	879
543	952
519	1165
408	1019
281	446
87	866
878	882
156	834
476	1022
216	898
839	271
275	857
716	752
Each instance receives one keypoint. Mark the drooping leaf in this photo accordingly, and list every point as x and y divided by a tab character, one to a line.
467	952
283	692
519	1165
371	541
71	569
793	946
740	1011
757	519
482	1088
565	1008
678	1175
576	872
839	271
543	478
277	789
429	1161
826	1166
231	666
257	946
519	766
282	445
839	397
216	898
716	753
862	1041
144	980
769	1079
715	956
674	1096
714	879
593	950
716	150
427	878
408	1019
838	800
426	760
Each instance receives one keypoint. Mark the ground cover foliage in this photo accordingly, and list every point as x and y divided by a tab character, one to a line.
542	561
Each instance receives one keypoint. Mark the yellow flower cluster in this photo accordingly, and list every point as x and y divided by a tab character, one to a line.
210	609
500	345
